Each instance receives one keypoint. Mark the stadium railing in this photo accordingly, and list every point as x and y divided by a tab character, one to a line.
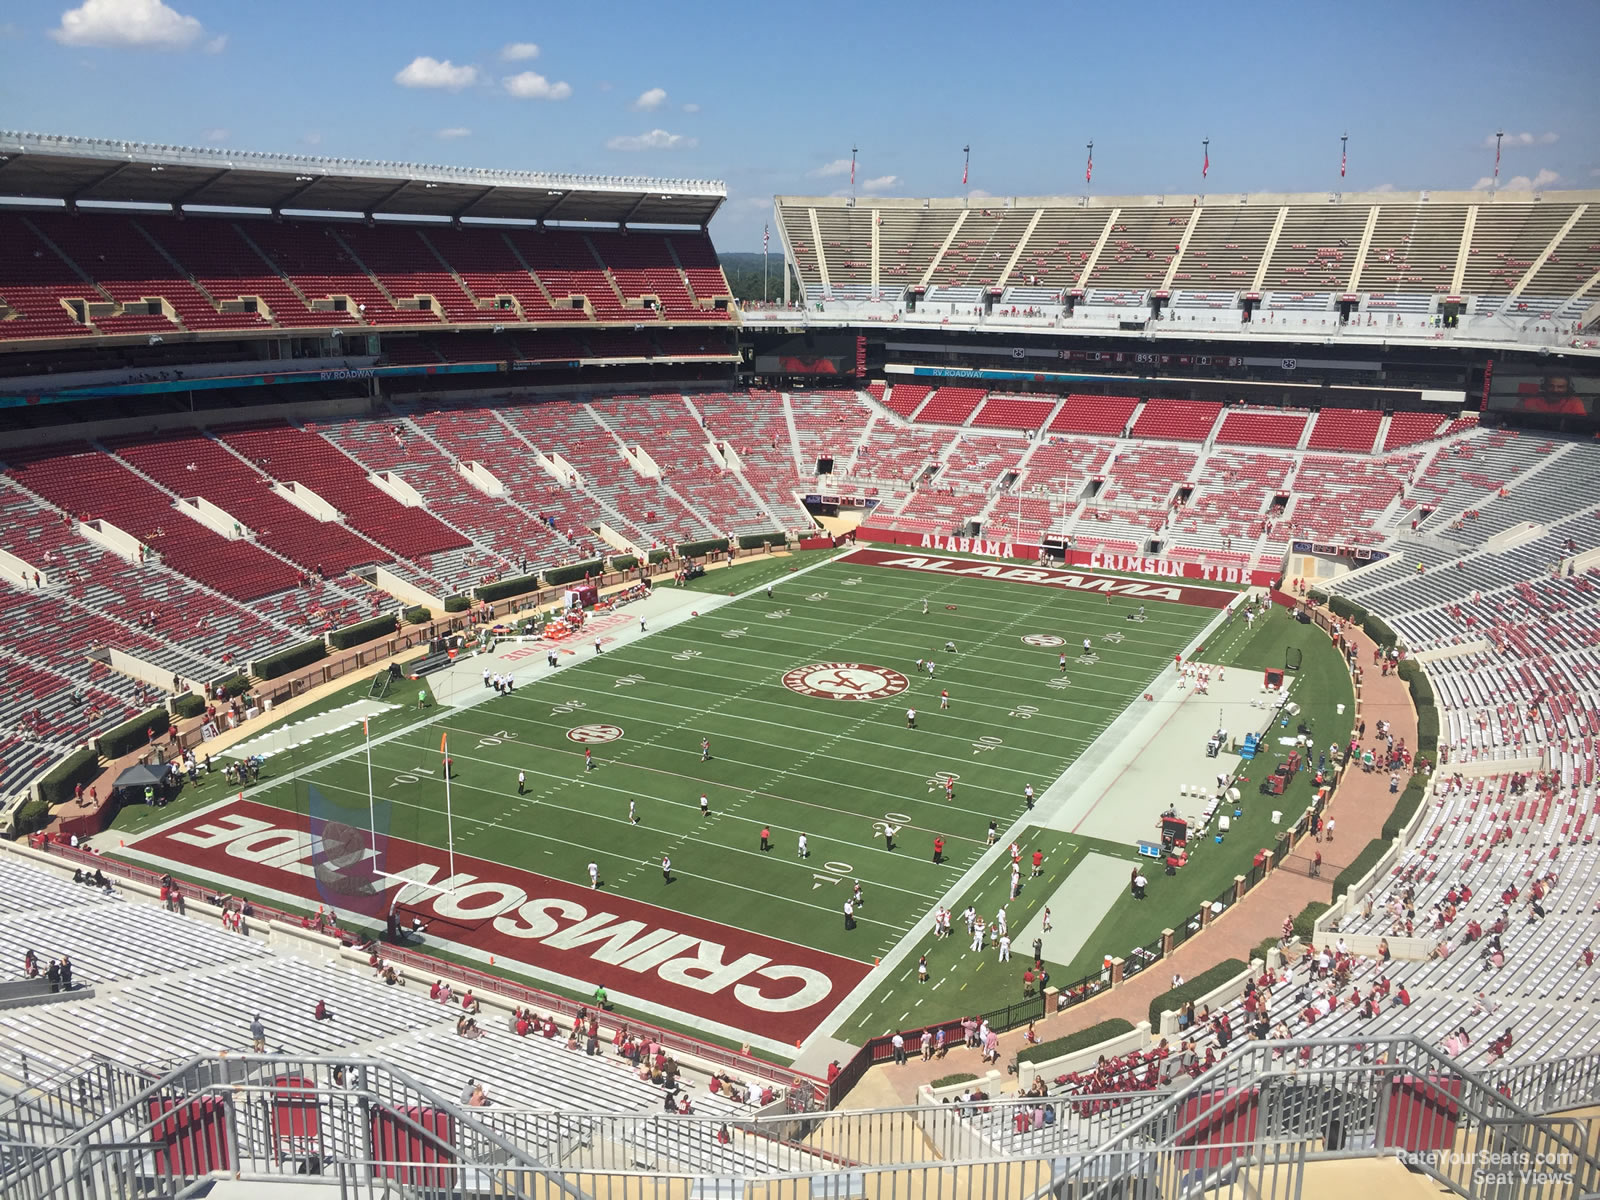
369	1128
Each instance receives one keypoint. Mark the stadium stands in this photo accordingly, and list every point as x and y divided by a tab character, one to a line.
1014	412
950	406
1103	416
1351	429
1262	427
1176	420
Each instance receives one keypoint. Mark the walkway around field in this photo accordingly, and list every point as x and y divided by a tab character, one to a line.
1359	809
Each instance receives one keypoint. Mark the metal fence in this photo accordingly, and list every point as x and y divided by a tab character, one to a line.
1141	957
1248	1128
1086	988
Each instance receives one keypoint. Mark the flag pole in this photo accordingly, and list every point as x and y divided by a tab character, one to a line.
966	165
372	812
852	173
766	235
1344	156
1499	133
1088	171
449	820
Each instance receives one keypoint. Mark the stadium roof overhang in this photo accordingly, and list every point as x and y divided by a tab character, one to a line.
73	169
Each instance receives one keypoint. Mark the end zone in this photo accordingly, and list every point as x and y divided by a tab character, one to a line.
702	973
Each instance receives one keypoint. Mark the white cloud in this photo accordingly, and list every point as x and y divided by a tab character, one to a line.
313	137
654	98
425	71
148	24
980	194
217	135
1523	139
656	139
518	51
1382	187
1520	183
691	108
881	183
839	166
530	85
455	131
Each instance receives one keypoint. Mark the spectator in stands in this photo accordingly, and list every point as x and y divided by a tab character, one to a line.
321	1013
258	1035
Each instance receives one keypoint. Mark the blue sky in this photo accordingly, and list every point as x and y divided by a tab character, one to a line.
770	98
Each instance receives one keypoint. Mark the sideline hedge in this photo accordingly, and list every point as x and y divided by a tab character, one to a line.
32	817
557	576
952	1080
502	588
1361	867
624	562
132	735
1405	808
658	556
81	766
1082	1040
417	614
1305	922
362	632
1193	989
696	549
188	705
234	685
750	541
288	660
456	604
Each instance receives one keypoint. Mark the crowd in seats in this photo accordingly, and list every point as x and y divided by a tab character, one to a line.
1262	427
1176	420
1347	429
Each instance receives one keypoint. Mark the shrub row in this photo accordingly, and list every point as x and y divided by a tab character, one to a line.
521	585
417	614
32	817
556	576
1082	1040
1192	989
696	549
81	766
456	604
292	659
624	562
131	735
658	556
234	685
750	541
362	632
1305	922
188	705
1405	808
1357	870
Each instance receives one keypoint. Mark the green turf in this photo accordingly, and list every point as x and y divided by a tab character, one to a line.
830	769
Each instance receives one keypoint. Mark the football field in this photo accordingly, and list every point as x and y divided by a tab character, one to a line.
788	715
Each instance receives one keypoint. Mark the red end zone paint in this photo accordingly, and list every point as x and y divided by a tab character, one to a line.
741	980
1171	592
